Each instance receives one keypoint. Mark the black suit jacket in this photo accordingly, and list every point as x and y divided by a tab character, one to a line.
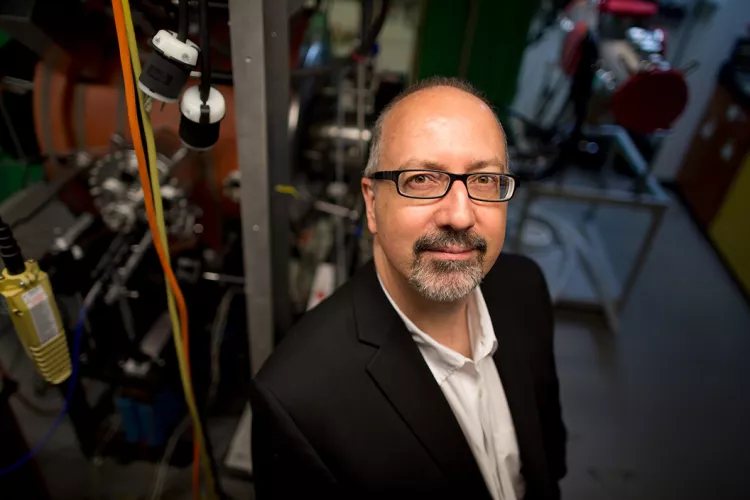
346	407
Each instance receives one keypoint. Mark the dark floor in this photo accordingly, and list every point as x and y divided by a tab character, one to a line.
660	411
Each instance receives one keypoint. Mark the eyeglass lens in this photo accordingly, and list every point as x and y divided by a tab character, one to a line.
427	184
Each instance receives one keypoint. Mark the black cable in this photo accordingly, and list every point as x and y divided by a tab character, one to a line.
372	34
10	252
363	50
183	21
205	43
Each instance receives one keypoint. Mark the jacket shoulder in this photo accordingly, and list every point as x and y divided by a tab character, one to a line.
310	346
516	272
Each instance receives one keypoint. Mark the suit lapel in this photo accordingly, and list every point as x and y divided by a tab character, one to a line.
400	372
515	374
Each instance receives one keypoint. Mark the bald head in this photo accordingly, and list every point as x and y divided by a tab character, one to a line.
423	109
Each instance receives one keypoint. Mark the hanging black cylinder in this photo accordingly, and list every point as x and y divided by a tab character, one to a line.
10	252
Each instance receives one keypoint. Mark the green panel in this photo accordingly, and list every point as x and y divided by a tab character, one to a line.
497	49
441	37
499	45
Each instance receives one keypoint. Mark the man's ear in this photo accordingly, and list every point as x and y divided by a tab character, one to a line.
368	193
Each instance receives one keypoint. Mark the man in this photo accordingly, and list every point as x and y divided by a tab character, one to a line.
412	381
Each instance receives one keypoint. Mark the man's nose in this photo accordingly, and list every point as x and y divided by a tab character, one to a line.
456	210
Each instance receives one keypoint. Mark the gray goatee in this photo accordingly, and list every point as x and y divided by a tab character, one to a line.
447	280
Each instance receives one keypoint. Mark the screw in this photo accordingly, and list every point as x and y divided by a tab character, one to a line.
185	57
248	60
273	34
256	227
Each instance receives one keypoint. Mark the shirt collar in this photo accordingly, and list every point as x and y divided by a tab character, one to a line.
442	360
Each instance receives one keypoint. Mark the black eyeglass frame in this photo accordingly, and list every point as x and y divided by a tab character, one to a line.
393	175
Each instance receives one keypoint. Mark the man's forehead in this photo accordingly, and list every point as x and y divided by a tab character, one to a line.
439	100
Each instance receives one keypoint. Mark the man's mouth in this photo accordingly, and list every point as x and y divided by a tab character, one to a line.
451	245
449	253
452	249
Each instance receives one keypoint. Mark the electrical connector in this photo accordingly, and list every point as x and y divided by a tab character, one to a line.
201	121
168	66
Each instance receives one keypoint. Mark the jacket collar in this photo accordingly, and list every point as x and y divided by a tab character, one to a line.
400	372
512	359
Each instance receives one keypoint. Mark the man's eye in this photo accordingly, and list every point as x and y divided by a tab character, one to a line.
485	179
421	179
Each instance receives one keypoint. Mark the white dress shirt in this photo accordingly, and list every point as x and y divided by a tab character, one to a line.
475	393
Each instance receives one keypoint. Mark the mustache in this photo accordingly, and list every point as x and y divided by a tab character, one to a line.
448	238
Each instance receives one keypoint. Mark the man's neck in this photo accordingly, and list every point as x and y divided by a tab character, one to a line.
446	322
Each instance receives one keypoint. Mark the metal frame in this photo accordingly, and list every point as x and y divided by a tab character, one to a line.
651	198
260	55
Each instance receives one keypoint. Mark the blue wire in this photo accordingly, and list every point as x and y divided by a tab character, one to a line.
68	397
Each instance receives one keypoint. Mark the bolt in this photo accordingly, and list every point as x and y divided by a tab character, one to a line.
185	57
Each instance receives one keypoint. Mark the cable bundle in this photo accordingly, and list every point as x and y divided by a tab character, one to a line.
149	176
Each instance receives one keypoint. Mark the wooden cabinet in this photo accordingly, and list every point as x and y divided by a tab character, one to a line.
718	149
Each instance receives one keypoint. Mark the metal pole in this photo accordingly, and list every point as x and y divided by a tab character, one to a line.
259	60
640	258
276	21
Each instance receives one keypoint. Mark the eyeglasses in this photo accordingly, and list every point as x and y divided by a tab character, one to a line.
431	184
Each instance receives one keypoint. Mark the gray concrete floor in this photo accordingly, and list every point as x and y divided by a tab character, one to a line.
660	411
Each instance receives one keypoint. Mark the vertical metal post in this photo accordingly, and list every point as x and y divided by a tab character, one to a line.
657	216
278	90
260	55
